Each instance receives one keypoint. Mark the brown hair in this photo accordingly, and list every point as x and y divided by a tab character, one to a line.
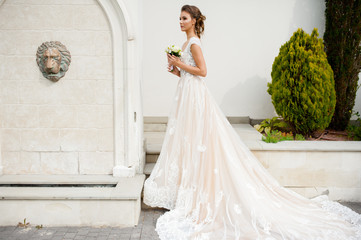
197	15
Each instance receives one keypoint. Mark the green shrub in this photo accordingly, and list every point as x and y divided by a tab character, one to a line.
299	137
302	87
343	47
354	131
277	136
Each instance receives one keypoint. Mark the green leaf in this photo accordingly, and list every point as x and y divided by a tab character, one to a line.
267	130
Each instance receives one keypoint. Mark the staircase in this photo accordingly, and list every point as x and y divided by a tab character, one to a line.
154	132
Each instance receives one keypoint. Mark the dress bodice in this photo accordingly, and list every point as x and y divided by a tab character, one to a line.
187	56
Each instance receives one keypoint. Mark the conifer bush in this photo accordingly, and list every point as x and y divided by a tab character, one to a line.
302	87
343	47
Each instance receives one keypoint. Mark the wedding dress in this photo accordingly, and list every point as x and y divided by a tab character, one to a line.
215	188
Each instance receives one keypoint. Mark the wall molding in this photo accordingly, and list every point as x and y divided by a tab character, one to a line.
127	141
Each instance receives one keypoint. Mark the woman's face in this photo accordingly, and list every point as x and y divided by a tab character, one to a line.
185	21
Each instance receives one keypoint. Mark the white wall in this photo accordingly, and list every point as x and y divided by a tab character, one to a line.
64	127
241	40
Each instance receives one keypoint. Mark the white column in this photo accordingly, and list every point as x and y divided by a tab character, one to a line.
126	160
135	152
1	167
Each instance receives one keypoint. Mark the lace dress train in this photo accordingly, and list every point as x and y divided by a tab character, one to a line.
215	188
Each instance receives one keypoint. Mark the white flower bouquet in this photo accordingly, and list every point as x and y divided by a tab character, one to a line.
175	51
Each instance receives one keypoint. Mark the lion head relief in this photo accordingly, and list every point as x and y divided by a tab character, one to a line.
53	60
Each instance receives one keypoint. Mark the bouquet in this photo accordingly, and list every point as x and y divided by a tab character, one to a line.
175	51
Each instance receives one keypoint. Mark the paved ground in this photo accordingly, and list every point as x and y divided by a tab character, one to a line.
143	231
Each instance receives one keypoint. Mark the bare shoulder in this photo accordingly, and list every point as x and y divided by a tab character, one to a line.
196	49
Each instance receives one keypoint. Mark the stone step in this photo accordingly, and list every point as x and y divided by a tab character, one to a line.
154	137
155	127
152	158
148	168
155	120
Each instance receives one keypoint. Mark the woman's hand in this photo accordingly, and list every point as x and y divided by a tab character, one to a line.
174	70
173	60
171	67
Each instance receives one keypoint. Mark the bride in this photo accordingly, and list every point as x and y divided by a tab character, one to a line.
213	185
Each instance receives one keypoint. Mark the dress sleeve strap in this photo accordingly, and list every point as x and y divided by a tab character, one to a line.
195	40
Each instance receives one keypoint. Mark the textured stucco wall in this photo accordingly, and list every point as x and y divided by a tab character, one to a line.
64	127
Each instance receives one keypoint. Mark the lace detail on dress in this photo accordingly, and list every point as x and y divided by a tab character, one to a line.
162	196
339	211
187	56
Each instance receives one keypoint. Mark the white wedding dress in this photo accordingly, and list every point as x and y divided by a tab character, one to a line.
215	188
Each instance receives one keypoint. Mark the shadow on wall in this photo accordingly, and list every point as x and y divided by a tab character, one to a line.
249	97
307	17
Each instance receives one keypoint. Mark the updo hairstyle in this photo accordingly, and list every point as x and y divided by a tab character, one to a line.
197	15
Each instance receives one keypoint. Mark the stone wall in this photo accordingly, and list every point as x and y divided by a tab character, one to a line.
64	127
311	170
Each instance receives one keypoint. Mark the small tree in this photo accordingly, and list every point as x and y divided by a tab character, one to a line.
302	87
342	41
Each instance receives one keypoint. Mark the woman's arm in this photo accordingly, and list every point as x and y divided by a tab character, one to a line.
199	70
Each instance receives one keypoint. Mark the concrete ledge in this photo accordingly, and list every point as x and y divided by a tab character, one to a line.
253	139
71	206
126	188
59	179
239	120
319	146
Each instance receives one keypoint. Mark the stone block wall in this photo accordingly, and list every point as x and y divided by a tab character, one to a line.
312	172
63	127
